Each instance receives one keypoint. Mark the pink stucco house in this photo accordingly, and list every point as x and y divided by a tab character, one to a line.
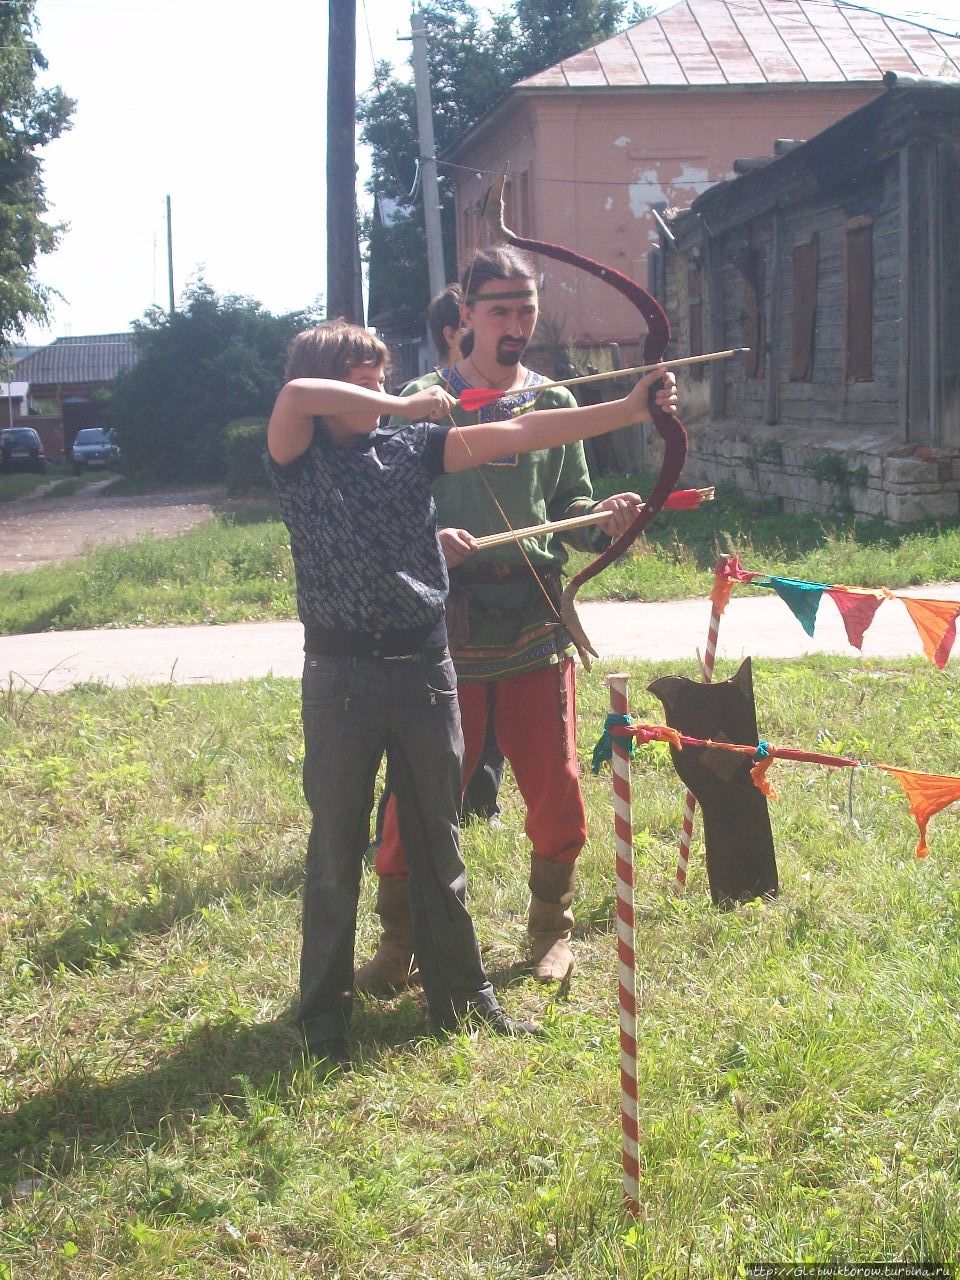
655	115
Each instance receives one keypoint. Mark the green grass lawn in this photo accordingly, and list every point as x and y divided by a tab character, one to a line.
238	567
798	1068
56	482
17	484
71	484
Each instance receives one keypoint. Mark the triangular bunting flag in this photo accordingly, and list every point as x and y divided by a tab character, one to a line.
802	597
936	621
726	572
857	609
927	794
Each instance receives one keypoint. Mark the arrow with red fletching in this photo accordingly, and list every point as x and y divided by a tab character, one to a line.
679	500
474	398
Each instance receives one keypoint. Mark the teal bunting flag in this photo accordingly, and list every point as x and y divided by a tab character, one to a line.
802	598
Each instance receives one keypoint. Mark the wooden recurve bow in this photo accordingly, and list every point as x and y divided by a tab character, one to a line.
668	425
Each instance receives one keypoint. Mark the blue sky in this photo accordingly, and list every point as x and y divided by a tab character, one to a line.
206	101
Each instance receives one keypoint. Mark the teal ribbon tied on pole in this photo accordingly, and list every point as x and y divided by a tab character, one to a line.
603	751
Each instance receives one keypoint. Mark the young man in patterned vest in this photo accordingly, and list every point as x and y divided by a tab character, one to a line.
371	588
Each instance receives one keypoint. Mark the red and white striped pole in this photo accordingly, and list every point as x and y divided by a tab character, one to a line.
690	805
626	951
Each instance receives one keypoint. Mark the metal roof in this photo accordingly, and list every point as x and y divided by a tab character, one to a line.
737	42
97	358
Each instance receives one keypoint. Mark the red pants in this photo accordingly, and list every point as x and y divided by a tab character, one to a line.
531	726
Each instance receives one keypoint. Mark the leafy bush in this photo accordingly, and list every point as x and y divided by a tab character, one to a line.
213	362
244	443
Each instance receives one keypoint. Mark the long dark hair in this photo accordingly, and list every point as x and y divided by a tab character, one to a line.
506	263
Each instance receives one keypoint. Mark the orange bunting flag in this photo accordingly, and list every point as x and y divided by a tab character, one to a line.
936	621
857	609
927	794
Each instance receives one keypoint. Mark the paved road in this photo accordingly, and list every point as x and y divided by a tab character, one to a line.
759	625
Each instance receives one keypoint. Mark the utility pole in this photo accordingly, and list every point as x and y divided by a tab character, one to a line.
428	155
344	297
173	307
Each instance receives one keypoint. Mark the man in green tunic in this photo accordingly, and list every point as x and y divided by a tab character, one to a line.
511	653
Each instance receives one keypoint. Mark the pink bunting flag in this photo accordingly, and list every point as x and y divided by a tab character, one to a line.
857	606
726	572
936	622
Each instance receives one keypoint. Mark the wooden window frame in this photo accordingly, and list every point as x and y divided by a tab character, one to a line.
805	284
754	309
695	312
858	308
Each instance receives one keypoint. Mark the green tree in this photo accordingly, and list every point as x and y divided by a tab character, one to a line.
547	31
29	118
214	361
472	65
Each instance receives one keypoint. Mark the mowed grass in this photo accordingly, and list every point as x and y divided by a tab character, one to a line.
238	567
798	1064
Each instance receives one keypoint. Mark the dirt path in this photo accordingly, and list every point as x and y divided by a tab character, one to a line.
36	531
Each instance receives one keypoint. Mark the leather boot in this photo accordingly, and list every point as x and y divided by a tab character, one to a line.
551	919
393	965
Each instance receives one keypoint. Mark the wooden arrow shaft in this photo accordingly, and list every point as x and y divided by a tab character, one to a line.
552	526
557	526
625	373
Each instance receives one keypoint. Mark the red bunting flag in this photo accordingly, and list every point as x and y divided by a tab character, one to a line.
936	621
857	606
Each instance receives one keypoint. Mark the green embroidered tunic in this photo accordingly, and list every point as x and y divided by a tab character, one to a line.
511	625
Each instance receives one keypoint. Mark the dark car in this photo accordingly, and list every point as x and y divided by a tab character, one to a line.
95	447
21	449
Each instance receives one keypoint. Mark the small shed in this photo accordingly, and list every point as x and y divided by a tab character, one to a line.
837	262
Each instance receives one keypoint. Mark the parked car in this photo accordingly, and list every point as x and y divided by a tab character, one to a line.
21	449
95	447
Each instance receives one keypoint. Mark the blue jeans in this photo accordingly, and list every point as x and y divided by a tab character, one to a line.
354	710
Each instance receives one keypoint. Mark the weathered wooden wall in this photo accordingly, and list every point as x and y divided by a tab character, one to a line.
813	435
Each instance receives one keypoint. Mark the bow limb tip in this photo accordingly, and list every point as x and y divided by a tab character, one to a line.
571	620
493	210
